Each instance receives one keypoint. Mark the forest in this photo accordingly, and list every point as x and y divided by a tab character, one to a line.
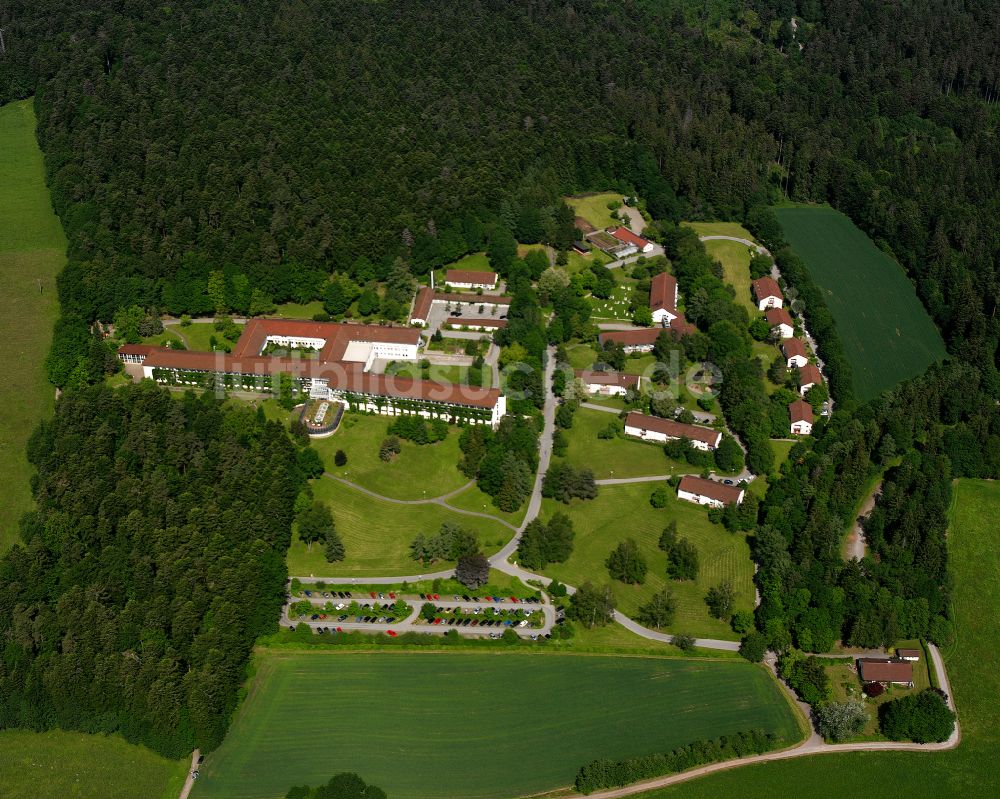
154	559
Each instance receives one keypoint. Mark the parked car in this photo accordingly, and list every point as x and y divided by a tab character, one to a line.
315	616
307	593
391	633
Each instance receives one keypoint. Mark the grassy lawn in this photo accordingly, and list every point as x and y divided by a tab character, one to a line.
473	725
417	472
735	260
197	335
70	764
886	332
581	356
594	208
440	373
500	584
624	511
579	263
968	770
377	534
614	457
475	500
295	310
615	308
721	229
32	251
473	262
781	450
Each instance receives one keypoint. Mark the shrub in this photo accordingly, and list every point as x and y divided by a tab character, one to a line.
340	458
754	646
389	449
659	497
922	717
684	642
838	721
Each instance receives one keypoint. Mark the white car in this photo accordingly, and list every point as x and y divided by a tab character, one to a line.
340	606
523	623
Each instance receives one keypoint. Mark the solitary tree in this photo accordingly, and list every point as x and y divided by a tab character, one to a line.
659	611
627	564
473	571
340	458
682	560
334	547
592	606
315	523
720	600
838	721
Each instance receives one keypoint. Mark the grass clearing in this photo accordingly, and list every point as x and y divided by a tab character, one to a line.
32	252
419	471
377	534
614	457
886	332
72	764
735	260
734	229
474	499
467	736
594	208
295	310
623	511
968	770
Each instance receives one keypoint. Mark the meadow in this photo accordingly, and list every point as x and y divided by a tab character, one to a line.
69	764
594	208
970	770
886	333
32	251
734	257
478	726
623	511
377	534
614	457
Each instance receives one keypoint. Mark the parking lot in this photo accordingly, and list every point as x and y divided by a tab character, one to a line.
470	615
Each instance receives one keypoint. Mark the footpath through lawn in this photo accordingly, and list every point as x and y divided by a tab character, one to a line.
476	726
32	251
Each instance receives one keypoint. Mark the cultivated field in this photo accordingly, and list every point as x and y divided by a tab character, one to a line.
417	472
886	333
476	726
623	511
68	764
377	534
32	251
970	770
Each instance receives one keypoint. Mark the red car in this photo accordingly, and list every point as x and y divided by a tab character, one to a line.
437	596
391	633
514	599
392	595
322	615
340	629
437	621
372	594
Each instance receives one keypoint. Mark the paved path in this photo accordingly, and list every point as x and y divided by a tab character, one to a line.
189	782
631	259
854	546
760	249
649	478
605	408
636	222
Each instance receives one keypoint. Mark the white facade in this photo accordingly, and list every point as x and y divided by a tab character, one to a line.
805	387
801	428
769	302
663	317
786	330
473	286
295	341
701	499
663	438
606	389
797	361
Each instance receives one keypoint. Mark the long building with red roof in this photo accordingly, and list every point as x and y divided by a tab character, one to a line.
335	364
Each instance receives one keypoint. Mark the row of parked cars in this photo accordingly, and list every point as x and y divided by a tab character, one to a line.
533	600
331	594
479	622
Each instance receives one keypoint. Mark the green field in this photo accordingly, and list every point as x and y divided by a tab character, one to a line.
969	770
594	208
377	534
69	764
623	511
32	251
417	472
475	726
734	229
734	257
886	333
613	457
474	499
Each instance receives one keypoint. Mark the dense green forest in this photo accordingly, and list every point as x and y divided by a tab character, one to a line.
259	148
155	558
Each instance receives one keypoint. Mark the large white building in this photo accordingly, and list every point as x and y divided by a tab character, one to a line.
709	492
653	428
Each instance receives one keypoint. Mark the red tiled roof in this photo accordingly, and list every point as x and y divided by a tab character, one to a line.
778	316
809	374
766	287
682	326
606	378
710	488
336	336
663	293
136	349
792	347
628	237
466	276
800	411
631	338
422	303
673	429
878	670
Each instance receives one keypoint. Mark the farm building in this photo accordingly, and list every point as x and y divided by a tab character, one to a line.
886	670
582	247
809	376
663	299
607	383
464	279
614	247
709	492
779	319
800	413
795	352
653	428
340	370
626	236
767	293
911	655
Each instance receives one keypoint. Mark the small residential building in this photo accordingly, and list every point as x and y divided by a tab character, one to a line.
464	279
610	245
767	293
641	339
653	428
779	319
795	352
886	670
801	414
626	236
134	353
809	376
911	655
582	247
709	492
608	383
663	299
